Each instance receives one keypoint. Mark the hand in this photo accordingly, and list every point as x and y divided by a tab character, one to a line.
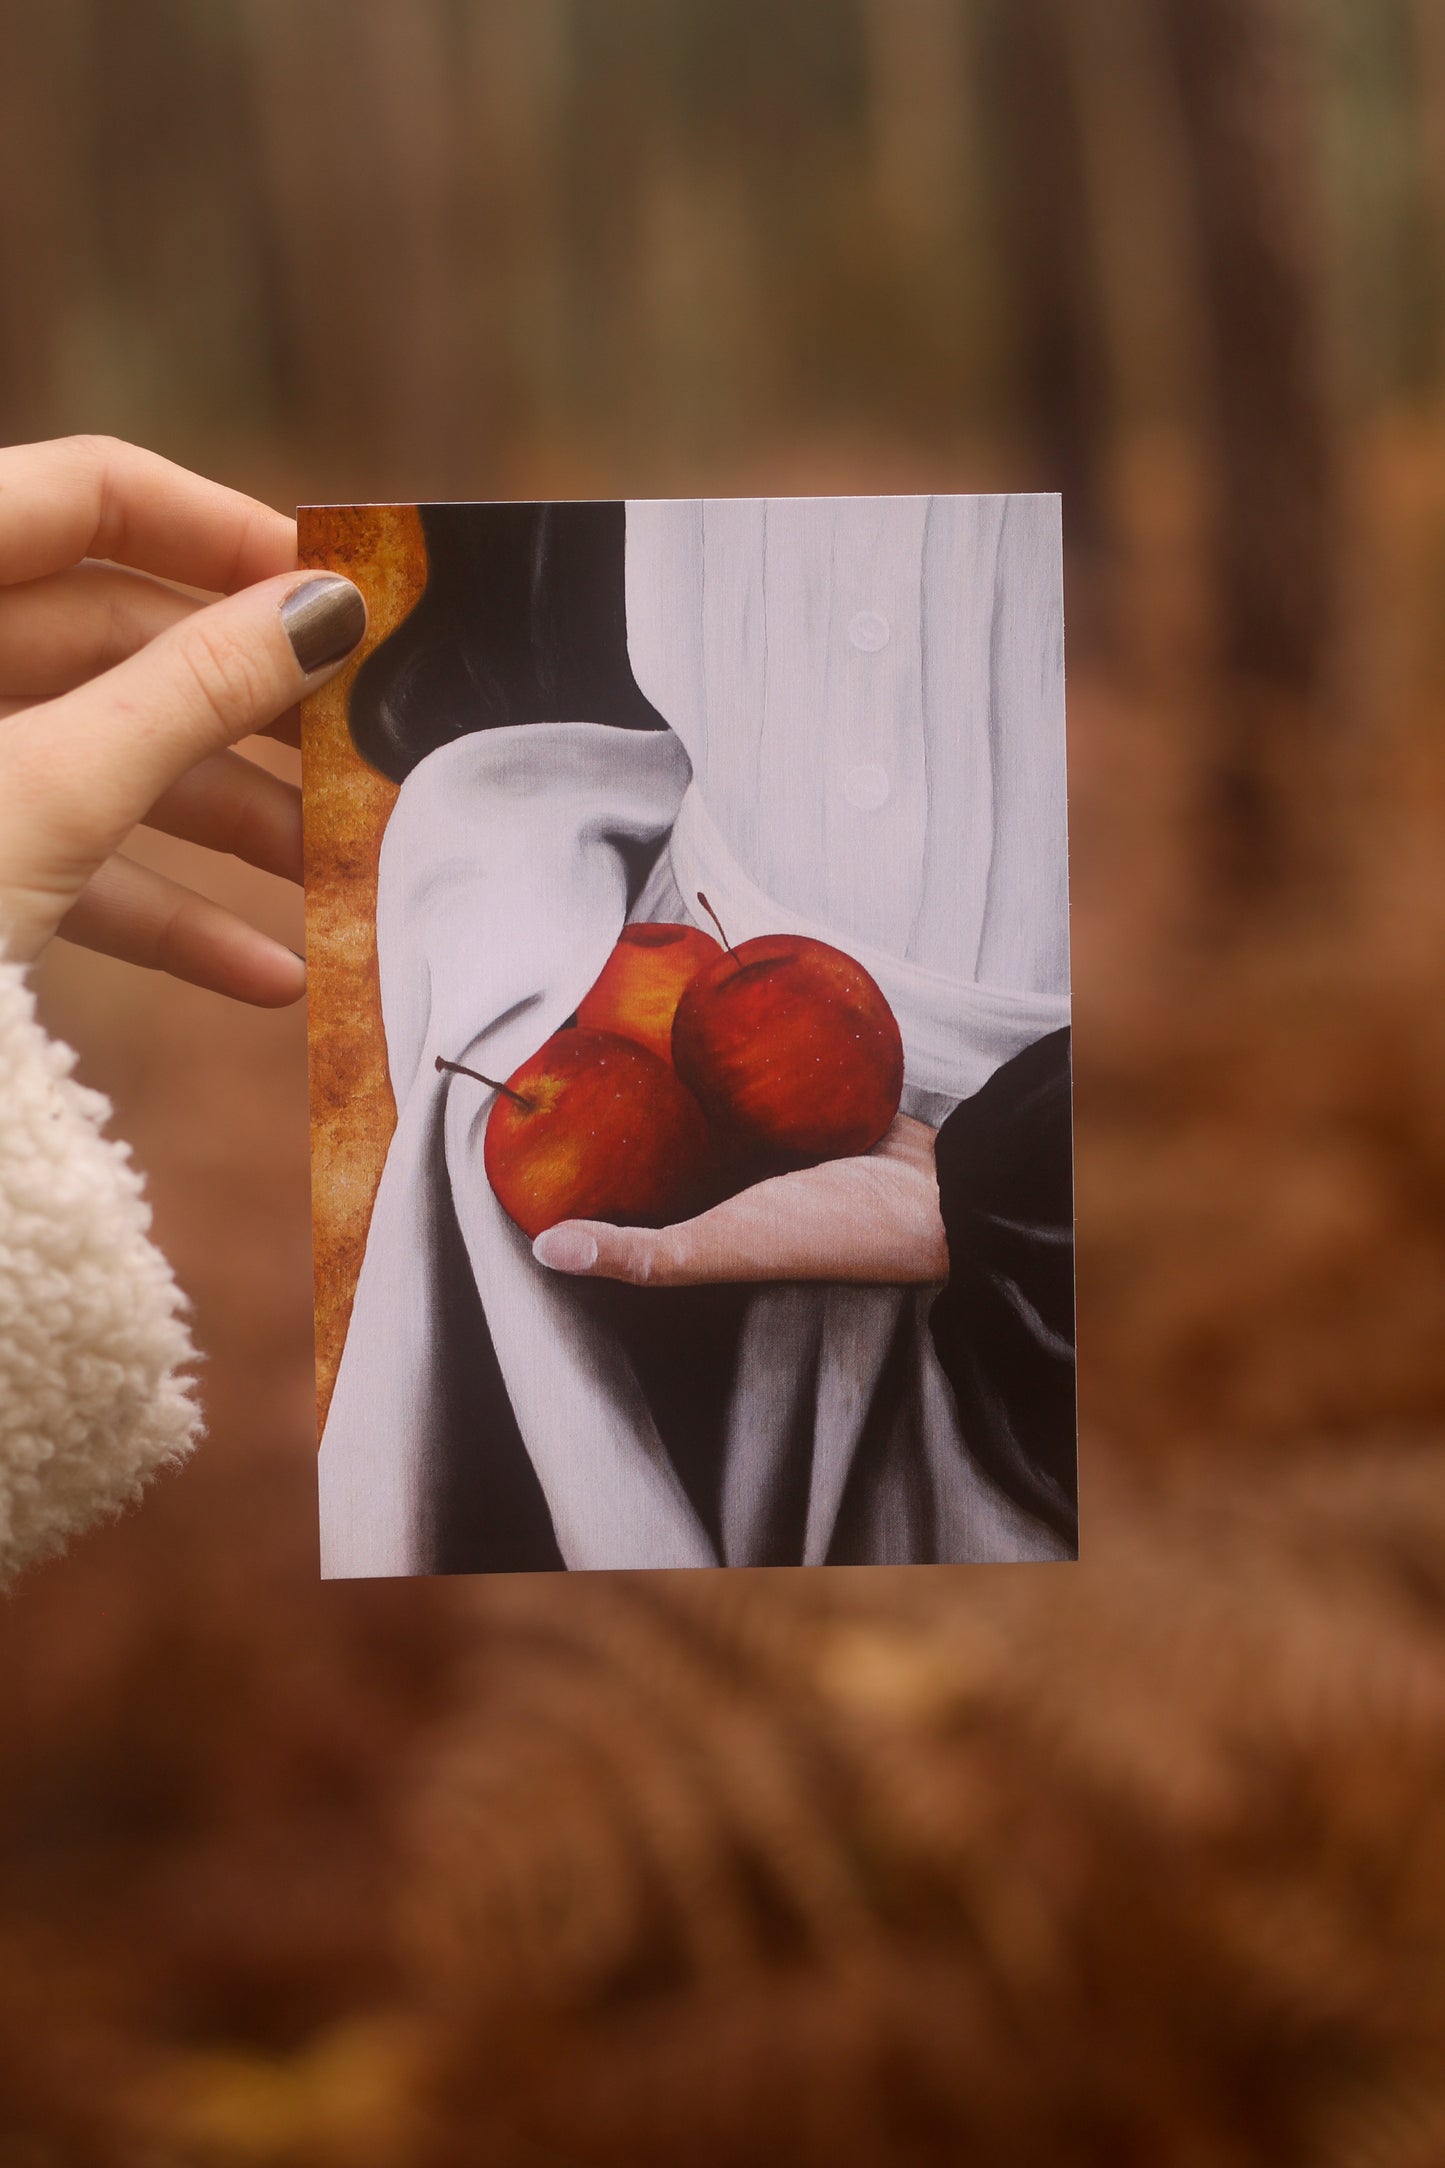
120	696
874	1220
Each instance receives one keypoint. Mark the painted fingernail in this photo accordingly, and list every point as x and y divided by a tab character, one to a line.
566	1249
324	618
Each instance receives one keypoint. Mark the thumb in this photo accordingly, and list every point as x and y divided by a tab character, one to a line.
111	747
593	1249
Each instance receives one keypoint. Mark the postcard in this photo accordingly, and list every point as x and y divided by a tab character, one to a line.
688	949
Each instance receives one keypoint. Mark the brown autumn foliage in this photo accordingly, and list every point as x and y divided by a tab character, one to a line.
1139	1861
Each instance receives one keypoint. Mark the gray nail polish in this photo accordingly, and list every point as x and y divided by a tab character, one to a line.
324	618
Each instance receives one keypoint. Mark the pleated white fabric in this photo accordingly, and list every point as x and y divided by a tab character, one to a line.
871	693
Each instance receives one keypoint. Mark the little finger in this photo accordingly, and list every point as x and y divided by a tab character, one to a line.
141	916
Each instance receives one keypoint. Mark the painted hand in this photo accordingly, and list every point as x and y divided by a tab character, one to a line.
121	694
872	1220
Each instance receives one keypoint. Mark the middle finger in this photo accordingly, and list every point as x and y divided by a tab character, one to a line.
58	632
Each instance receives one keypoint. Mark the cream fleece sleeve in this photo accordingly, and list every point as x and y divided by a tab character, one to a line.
94	1395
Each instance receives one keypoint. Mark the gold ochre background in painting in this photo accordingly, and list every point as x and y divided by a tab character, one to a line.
381	547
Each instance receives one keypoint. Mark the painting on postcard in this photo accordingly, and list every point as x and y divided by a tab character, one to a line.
688	951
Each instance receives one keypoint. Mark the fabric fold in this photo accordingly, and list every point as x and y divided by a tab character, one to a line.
507	871
956	1033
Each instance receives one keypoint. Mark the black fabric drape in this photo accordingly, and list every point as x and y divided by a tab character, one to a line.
524	620
1004	1324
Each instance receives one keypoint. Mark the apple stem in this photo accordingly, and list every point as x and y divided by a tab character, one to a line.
457	1069
718	923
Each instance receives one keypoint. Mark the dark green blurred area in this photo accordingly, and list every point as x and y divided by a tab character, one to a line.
1142	1862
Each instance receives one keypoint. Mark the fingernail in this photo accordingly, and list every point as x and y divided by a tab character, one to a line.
324	619
566	1249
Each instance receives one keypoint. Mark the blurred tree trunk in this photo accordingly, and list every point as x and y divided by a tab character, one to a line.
44	230
917	65
358	114
1148	300
511	153
1245	96
1427	22
1049	255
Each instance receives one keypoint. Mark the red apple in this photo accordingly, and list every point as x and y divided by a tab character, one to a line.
643	980
792	1046
595	1127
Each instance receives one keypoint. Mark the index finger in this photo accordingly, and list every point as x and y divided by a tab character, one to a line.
96	497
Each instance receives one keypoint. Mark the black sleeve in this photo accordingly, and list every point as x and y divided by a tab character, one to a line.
524	620
1004	1324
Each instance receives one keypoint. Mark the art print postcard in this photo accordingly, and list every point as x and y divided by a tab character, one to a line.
688	940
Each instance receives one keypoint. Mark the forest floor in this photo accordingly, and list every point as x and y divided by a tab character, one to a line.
1141	1860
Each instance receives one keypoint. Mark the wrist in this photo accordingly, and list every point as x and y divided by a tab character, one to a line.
24	928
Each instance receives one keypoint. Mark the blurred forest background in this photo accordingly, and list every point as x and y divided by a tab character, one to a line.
1142	1861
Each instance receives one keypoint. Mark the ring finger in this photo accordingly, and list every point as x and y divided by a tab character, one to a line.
231	804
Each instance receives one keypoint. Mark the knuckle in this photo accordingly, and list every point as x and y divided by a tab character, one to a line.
121	633
251	824
225	674
96	460
242	825
167	946
91	449
250	529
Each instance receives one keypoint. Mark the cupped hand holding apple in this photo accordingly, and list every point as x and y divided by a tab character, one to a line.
593	1125
870	1220
766	1076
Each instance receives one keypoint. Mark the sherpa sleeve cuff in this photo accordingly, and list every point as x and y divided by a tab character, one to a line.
95	1395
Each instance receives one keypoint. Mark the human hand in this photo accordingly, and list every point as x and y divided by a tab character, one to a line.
120	695
874	1220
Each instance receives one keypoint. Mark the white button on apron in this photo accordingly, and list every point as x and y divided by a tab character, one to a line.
741	622
869	631
867	786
